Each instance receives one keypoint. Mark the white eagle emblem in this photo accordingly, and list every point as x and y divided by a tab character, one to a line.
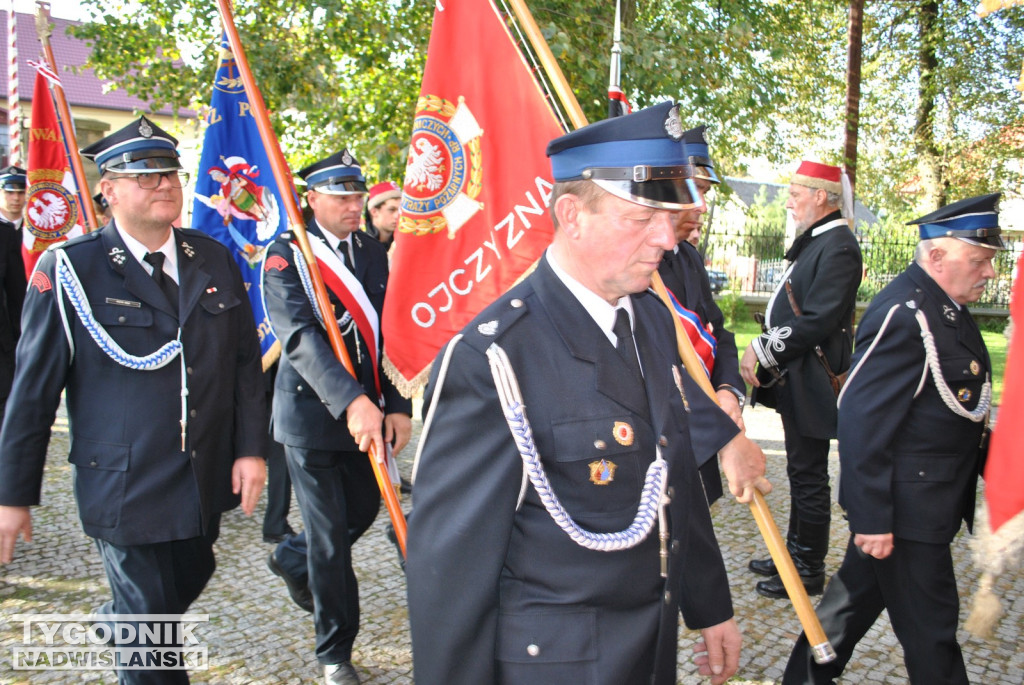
425	167
48	210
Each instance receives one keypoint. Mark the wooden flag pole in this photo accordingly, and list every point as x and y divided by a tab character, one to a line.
283	177
821	648
44	28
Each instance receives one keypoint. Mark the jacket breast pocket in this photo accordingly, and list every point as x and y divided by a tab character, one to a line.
219	302
926	468
547	646
122	315
596	468
101	472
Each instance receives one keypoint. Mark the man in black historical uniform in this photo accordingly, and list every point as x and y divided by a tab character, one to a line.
147	329
12	275
911	419
12	196
682	270
325	417
805	348
547	560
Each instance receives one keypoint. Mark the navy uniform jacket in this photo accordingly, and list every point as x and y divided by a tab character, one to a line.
498	595
133	482
12	295
312	387
684	275
824	278
909	465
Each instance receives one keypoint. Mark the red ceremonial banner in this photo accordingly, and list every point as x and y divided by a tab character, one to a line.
477	185
1004	470
51	212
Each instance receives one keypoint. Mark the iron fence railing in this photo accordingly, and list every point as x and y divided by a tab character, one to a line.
751	259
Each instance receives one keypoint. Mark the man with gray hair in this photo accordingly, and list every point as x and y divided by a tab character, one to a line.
911	419
803	354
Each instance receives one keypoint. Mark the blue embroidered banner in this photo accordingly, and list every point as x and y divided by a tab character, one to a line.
236	198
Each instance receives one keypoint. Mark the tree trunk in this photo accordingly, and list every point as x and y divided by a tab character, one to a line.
929	160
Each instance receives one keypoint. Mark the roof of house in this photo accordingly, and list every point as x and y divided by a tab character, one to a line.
747	190
81	88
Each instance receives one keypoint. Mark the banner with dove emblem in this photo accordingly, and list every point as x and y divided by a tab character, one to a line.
236	200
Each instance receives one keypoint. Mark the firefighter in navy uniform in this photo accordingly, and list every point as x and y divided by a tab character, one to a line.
12	274
911	419
683	272
514	571
157	350
325	417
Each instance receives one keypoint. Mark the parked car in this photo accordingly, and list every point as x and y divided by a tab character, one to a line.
719	280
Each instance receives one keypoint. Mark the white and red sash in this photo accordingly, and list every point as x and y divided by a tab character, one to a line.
347	288
704	343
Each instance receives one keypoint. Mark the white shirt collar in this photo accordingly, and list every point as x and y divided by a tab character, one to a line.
335	243
139	251
599	310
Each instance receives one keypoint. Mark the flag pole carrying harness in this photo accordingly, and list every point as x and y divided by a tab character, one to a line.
653	503
69	284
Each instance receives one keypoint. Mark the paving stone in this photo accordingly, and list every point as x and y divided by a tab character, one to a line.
256	635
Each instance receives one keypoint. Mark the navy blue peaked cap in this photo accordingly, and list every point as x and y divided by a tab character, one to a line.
339	174
974	219
141	147
12	178
640	157
699	154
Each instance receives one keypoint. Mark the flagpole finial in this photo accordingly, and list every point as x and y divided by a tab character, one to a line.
44	27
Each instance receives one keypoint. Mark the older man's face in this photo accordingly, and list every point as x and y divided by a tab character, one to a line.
614	249
964	269
804	206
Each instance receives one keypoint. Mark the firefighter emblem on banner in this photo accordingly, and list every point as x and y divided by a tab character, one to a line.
50	210
444	174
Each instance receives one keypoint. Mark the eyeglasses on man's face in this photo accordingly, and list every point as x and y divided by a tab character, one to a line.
151	181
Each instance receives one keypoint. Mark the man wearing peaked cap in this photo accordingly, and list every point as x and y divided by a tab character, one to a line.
527	594
147	329
12	273
12	195
911	419
683	272
802	354
326	418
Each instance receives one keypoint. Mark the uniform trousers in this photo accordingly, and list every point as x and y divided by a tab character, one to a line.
339	500
917	586
158	578
807	469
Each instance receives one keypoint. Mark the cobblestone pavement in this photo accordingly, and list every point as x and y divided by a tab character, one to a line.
256	635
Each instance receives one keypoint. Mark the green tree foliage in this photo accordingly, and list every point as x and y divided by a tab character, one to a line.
768	77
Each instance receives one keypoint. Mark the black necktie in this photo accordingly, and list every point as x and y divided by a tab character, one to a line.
624	342
798	245
166	283
343	247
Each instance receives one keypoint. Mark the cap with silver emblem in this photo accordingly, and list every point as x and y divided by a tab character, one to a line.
640	157
339	174
141	147
974	220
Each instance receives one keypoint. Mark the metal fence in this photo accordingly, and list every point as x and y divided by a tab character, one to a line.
751	259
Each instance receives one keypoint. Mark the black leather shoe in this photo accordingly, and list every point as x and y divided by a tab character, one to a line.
404	486
773	588
275	538
763	567
299	593
341	674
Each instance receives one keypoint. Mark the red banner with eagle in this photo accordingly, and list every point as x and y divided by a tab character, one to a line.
51	212
477	184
